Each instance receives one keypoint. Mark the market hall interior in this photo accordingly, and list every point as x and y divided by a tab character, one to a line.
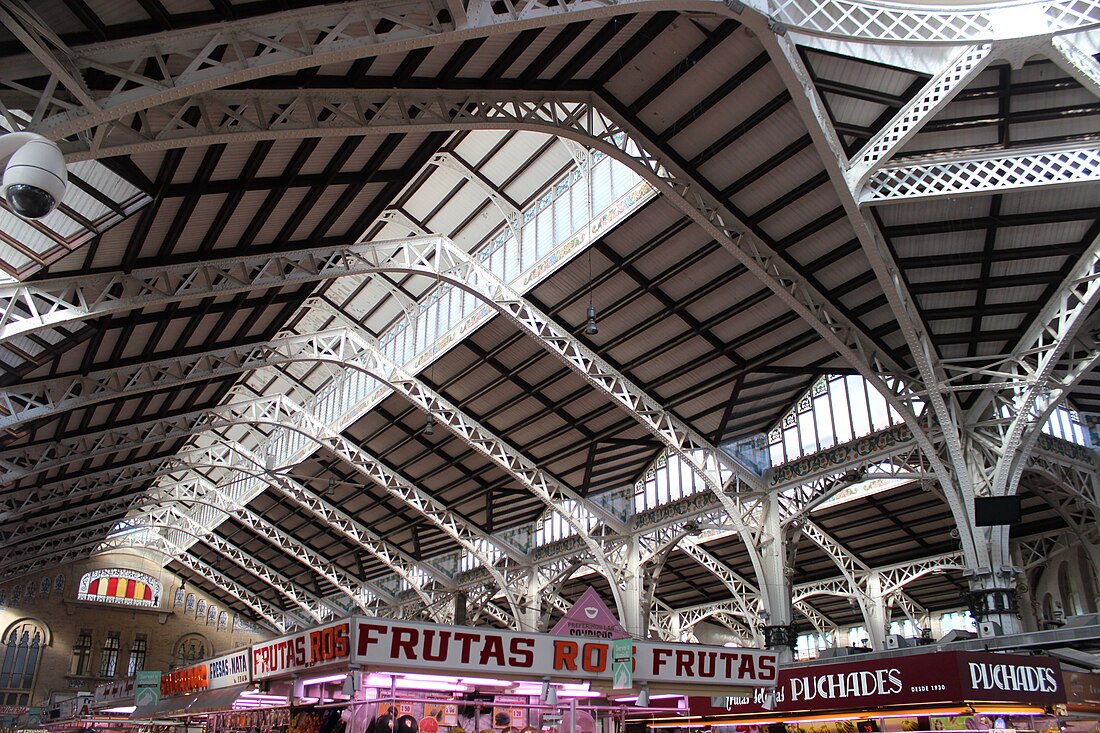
771	323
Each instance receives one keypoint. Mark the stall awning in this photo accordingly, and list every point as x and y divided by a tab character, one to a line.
166	708
215	700
196	704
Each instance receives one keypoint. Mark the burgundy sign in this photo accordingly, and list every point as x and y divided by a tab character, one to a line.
918	679
1082	691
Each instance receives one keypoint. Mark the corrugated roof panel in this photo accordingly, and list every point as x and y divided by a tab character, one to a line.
456	207
756	146
516	157
317	211
534	178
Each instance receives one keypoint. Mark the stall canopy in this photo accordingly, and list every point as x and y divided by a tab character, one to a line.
198	703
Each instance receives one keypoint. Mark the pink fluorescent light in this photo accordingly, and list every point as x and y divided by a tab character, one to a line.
426	682
431	686
634	698
261	697
443	678
484	682
322	680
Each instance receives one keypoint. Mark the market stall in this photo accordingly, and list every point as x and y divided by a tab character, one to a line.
215	685
937	691
411	677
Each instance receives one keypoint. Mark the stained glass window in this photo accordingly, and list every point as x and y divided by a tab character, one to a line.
119	586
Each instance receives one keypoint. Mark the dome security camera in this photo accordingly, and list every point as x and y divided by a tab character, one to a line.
35	176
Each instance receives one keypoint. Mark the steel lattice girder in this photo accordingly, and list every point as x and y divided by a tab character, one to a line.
1077	62
417	255
579	116
25	309
235	459
232	53
939	90
277	411
69	549
180	487
340	579
1046	355
951	468
337	346
222	457
277	618
859	19
986	173
170	518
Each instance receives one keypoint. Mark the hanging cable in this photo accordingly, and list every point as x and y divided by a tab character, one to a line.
590	326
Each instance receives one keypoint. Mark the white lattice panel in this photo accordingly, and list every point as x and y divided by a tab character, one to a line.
889	22
983	175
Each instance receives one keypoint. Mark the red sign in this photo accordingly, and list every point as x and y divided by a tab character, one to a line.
182	681
325	644
918	679
1082	691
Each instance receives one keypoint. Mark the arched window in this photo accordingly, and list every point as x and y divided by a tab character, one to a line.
190	649
1088	589
119	586
24	642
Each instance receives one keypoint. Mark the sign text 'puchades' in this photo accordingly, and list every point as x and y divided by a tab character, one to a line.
844	685
307	649
1012	677
407	645
930	678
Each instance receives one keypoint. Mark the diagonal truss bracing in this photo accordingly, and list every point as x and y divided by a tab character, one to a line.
277	411
909	120
170	518
236	52
28	308
439	257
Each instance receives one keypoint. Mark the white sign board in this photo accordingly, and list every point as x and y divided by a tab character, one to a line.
388	644
228	670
